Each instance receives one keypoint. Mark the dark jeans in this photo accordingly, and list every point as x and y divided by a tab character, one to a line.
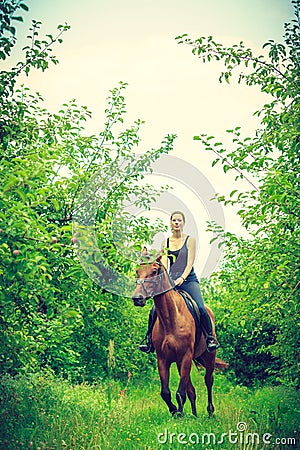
193	288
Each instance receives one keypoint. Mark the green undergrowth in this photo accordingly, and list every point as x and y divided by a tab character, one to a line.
43	412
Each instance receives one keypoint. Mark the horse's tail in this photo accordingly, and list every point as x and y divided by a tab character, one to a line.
220	364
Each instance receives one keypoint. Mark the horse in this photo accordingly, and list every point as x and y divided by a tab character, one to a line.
174	335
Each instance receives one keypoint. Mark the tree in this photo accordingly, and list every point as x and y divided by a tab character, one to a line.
257	289
52	314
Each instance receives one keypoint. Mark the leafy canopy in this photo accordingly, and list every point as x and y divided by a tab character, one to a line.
257	288
52	315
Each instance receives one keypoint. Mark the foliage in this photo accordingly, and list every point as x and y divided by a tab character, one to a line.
7	30
258	285
52	314
40	411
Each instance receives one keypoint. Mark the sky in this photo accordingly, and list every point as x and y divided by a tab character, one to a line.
168	87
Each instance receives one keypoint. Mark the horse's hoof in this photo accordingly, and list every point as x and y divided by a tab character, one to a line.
210	410
177	414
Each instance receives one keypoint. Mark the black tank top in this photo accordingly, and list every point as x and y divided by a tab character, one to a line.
178	261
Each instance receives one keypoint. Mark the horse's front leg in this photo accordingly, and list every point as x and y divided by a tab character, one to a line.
164	373
184	368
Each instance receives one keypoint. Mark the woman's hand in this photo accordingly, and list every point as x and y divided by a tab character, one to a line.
179	281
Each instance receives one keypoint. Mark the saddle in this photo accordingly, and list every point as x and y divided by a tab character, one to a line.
194	310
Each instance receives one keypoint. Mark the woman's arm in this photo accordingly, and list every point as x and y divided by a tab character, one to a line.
164	258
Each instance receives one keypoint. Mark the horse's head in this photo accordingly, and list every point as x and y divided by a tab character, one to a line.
149	282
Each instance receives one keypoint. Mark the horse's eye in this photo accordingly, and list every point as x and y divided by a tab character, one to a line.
155	272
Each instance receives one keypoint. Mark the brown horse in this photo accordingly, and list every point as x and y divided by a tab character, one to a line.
174	336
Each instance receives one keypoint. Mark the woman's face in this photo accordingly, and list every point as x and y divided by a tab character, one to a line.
177	222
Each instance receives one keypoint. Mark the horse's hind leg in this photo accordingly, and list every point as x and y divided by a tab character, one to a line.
209	380
164	373
192	396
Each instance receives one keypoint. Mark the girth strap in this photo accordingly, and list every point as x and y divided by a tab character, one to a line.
194	310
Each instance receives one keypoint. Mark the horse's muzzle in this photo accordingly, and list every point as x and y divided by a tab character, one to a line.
139	300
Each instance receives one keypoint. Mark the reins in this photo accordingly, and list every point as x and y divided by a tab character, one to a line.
142	281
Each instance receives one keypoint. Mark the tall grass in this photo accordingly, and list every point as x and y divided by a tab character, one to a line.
41	412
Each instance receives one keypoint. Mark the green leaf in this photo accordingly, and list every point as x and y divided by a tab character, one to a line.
24	7
18	18
12	181
71	314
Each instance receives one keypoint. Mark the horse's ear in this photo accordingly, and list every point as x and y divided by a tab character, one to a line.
145	251
158	257
145	257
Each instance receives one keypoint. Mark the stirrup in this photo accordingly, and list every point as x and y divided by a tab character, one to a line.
145	348
211	344
148	347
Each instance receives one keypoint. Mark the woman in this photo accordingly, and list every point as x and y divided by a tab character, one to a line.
181	256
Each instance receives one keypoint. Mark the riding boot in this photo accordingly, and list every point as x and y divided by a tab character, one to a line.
147	347
211	342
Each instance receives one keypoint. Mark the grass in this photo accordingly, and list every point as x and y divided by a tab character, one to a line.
43	413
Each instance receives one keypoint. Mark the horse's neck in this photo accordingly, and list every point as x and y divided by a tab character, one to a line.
166	306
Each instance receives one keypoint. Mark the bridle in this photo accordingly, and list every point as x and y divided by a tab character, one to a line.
154	281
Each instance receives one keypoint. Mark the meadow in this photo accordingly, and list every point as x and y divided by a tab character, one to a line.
43	413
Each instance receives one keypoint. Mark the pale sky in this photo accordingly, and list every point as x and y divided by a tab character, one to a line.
169	88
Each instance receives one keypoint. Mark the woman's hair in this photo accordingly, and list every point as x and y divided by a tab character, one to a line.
178	212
